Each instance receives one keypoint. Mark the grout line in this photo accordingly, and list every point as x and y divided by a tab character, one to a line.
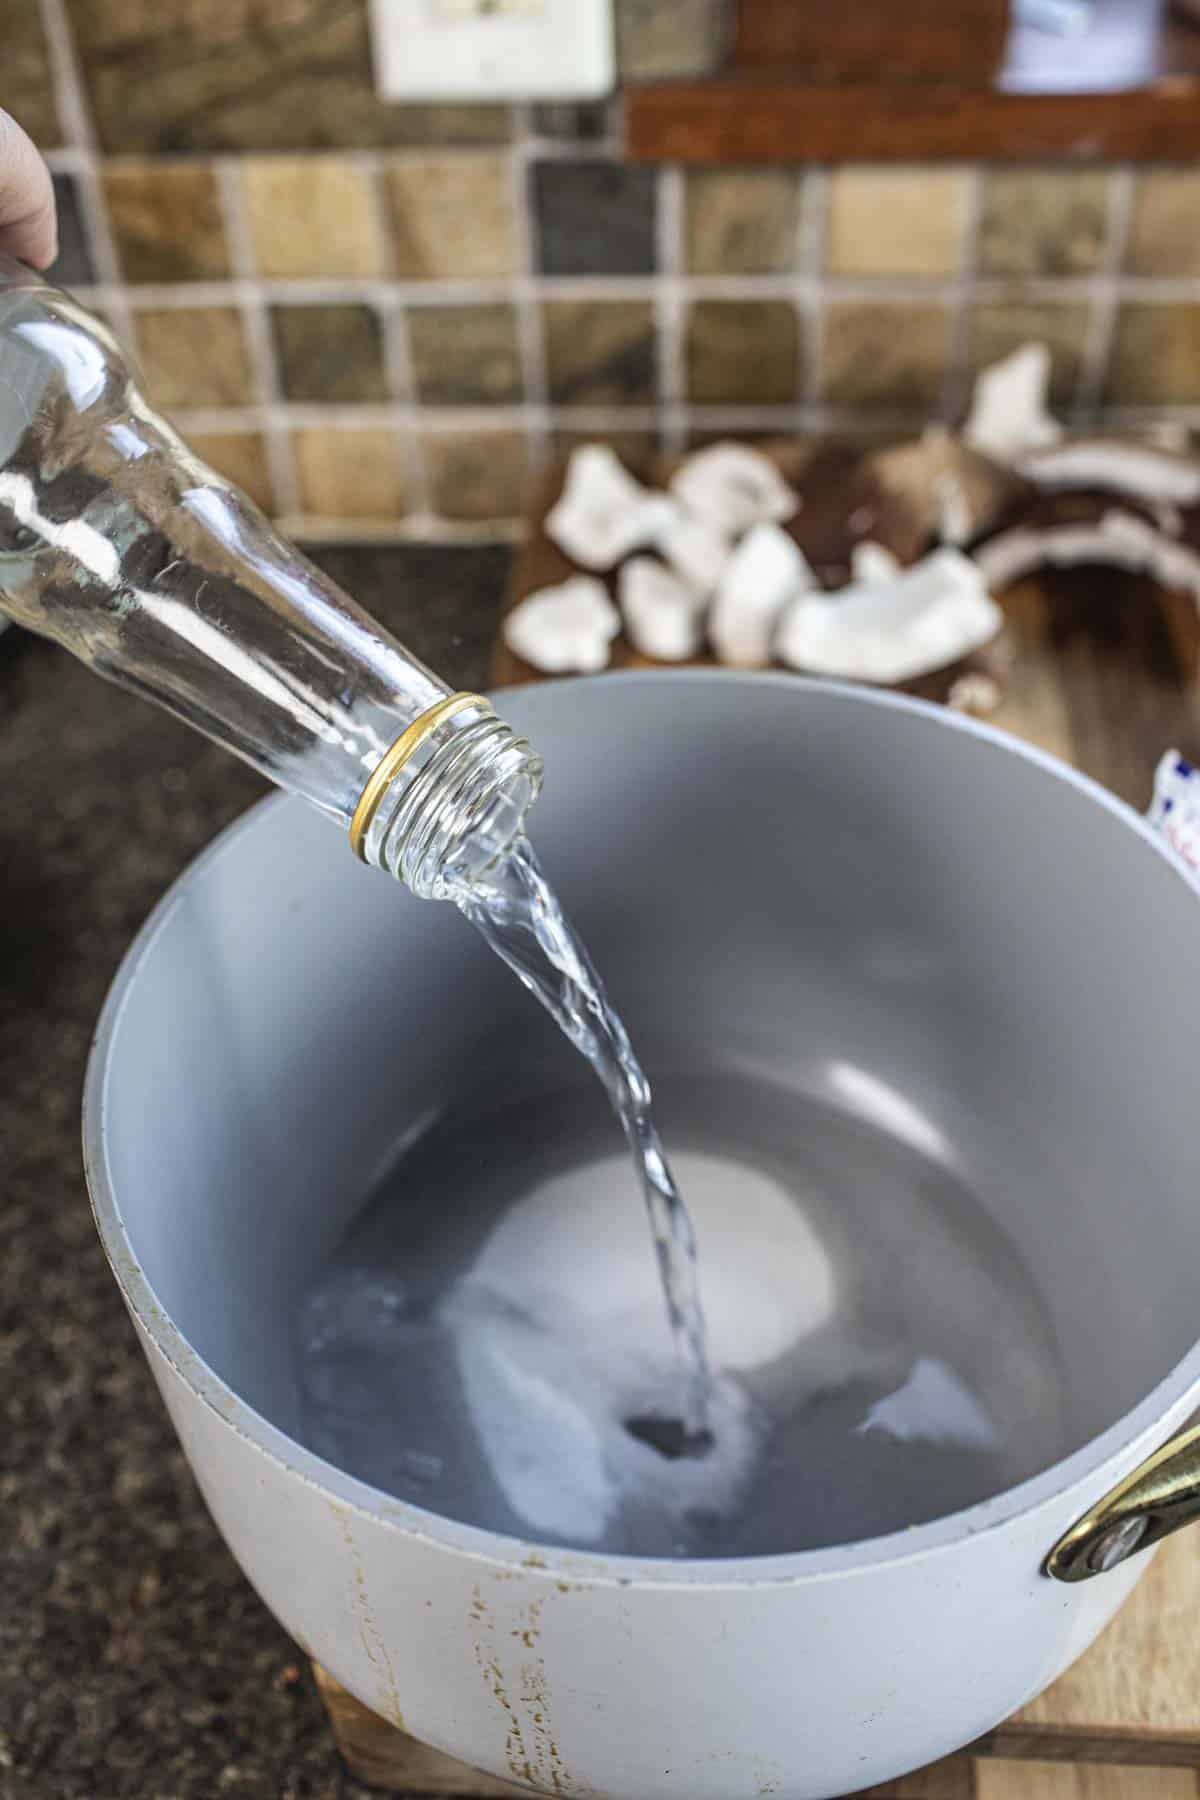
1109	288
670	307
252	304
531	346
414	528
810	262
398	365
956	375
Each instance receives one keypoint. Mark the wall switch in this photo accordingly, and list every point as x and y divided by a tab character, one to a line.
492	49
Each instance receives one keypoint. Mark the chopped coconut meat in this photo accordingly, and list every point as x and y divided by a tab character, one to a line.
604	513
871	563
664	617
695	549
1138	471
1008	417
732	487
763	574
568	627
930	616
1120	540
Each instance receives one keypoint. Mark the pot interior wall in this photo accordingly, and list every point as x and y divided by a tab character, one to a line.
851	900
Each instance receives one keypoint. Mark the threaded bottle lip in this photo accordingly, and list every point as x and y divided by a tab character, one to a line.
456	804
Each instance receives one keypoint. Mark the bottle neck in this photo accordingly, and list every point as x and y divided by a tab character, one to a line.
447	799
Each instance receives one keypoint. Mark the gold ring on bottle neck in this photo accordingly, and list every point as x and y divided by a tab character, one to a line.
394	759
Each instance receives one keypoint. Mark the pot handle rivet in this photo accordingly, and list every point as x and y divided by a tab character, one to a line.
1161	1496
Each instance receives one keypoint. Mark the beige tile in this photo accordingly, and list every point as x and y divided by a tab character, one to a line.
329	354
1164	227
908	220
478	474
994	330
451	216
194	356
1043	221
885	354
166	220
241	456
998	1780
349	473
660	39
28	84
465	355
742	221
742	353
1155	355
312	215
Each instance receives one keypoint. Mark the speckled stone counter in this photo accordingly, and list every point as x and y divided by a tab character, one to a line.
134	1658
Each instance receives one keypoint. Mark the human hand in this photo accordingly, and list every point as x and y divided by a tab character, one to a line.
28	221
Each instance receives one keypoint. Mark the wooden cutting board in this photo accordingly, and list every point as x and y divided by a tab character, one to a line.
1103	673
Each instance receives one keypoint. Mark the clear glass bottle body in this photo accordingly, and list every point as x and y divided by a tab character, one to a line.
122	546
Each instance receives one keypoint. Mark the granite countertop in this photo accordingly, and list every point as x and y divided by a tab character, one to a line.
134	1658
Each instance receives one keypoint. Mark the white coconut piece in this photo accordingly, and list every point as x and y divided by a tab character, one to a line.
695	548
1138	471
664	616
1120	540
733	487
765	571
954	512
603	513
974	693
1008	418
564	628
928	617
1168	434
872	564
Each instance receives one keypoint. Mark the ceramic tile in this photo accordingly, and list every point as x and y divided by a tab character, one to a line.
741	221
902	220
742	352
478	474
1155	355
250	75
241	456
636	448
74	267
350	472
451	217
1043	221
312	215
465	355
166	221
600	352
329	353
575	121
995	330
1164	226
28	83
884	354
659	39
194	356
594	218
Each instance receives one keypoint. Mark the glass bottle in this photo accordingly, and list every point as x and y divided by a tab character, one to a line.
117	542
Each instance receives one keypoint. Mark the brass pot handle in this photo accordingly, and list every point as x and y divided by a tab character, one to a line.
1161	1496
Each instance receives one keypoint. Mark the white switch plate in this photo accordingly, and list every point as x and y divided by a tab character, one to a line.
492	49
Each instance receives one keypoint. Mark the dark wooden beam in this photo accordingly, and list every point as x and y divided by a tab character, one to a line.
962	39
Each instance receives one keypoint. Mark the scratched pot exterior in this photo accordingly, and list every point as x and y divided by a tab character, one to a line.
228	1143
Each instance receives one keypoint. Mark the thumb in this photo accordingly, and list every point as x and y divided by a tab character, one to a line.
28	222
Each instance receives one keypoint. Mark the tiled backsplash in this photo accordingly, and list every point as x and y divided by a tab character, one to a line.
380	318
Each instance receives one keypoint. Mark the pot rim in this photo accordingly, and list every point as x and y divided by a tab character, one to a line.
1129	1438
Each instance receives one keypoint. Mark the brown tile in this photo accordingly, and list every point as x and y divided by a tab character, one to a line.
600	352
351	473
194	356
1164	227
884	354
451	216
636	449
28	82
249	75
658	39
312	215
996	330
742	221
1043	221
329	353
742	352
166	219
477	475
1155	356
465	355
241	456
907	220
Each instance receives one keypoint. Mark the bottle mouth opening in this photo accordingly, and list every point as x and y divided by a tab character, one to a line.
449	801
